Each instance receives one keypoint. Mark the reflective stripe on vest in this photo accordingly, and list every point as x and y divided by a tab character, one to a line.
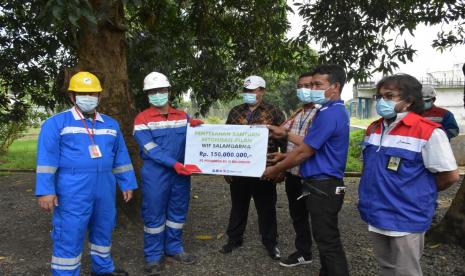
435	119
82	130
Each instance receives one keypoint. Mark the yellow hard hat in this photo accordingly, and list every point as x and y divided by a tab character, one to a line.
84	82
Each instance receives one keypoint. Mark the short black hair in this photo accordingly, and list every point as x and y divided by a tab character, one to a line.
335	73
306	74
409	88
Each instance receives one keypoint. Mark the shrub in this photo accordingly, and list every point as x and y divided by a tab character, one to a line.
214	120
354	162
9	132
14	129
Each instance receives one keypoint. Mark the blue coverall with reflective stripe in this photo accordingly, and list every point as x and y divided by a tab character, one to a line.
165	194
85	187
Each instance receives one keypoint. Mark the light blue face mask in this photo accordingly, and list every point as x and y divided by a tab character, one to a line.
249	98
318	96
386	109
86	103
158	99
428	104
304	95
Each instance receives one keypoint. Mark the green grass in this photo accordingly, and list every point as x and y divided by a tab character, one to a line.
20	155
30	134
361	122
354	162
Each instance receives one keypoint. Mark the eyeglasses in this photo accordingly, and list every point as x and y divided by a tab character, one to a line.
387	96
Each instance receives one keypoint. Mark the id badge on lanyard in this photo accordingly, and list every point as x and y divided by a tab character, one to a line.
94	149
394	163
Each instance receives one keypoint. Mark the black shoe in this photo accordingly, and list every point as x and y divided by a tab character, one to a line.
116	272
274	253
184	258
296	259
152	269
230	246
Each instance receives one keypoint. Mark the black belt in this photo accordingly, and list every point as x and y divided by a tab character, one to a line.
320	179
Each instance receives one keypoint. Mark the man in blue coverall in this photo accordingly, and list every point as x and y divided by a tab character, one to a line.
81	155
160	131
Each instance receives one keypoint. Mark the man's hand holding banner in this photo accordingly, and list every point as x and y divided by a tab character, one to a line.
238	150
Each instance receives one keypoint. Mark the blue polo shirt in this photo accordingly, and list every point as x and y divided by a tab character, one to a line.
329	137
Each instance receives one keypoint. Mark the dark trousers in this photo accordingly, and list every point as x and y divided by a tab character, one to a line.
324	205
299	215
264	196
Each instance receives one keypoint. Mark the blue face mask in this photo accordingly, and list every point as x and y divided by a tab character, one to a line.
249	98
86	103
386	109
158	99
304	95
428	104
318	97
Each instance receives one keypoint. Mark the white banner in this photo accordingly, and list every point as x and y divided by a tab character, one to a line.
238	150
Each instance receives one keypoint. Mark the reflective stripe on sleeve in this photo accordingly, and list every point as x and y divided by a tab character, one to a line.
46	169
66	261
174	225
155	230
150	145
122	169
141	127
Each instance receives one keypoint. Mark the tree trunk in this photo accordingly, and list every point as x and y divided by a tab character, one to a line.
103	52
451	229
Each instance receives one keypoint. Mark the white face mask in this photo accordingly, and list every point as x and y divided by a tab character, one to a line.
304	95
249	98
86	104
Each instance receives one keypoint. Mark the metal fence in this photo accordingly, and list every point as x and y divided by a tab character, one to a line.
440	83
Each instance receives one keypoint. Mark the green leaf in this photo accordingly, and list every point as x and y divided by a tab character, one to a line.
57	12
73	19
89	17
74	16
